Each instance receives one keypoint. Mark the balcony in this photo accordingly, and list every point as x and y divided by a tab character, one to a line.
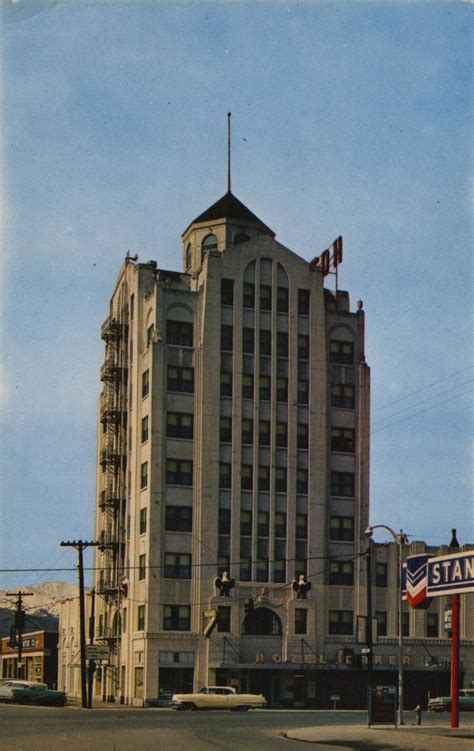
111	330
109	499
112	373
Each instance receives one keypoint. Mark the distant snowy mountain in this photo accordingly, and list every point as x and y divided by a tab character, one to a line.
42	608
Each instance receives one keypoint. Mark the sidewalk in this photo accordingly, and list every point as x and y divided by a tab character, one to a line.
422	738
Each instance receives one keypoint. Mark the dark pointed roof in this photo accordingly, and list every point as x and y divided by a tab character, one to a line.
229	207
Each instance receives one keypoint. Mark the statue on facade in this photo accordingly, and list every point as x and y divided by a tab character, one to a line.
301	587
224	584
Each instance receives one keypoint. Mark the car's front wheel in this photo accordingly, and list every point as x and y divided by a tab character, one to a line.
241	708
188	706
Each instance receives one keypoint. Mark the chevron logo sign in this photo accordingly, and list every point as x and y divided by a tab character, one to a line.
416	581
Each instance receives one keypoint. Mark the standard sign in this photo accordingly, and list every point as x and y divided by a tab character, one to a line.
97	652
449	574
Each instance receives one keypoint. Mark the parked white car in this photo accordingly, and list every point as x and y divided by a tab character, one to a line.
218	697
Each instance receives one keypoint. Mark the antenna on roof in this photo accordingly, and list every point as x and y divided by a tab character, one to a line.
229	115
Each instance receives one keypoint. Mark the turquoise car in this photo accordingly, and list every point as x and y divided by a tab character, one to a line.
443	703
30	692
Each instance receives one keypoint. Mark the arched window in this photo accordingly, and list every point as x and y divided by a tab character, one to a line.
241	238
209	243
188	257
261	622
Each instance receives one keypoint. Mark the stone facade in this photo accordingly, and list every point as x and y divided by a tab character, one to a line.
234	436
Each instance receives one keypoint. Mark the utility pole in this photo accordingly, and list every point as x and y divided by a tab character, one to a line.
19	625
455	640
91	641
369	633
80	546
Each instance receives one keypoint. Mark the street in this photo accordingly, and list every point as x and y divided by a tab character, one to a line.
25	728
54	729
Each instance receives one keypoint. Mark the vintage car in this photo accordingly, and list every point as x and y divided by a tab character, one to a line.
30	692
218	697
443	703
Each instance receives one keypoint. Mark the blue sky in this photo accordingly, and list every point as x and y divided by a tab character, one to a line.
349	119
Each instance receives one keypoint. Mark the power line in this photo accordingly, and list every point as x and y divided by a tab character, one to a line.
423	401
408	417
412	393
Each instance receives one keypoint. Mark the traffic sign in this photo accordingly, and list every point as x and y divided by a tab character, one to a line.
97	652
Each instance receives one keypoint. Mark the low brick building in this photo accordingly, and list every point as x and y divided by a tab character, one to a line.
39	658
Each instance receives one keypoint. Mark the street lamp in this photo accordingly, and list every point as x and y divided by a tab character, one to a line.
400	540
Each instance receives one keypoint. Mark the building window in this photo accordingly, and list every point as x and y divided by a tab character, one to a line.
381	575
280	524
177	618
225	429
405	624
245	572
263	524
143	520
281	483
303	302
145	383
227	338
265	342
225	475
223	564
342	395
247	386
246	477
381	616
282	299
301	526
249	295
262	570
223	521
180	379
265	297
188	257
179	472
341	352
226	383
264	478
209	243
248	341
179	425
144	428
178	518
303	347
177	566
302	481
264	433
141	566
342	484
301	621
227	292
300	567
144	475
341	622
149	335
341	528
247	432
302	436
240	238
282	344
341	573
343	439
432	625
179	333
245	523
141	618
282	434
282	389
264	388
303	392
223	619
279	571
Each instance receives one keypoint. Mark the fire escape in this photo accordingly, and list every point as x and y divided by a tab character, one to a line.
112	492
